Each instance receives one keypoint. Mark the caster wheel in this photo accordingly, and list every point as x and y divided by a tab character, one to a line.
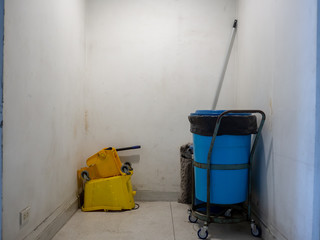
125	169
129	165
202	233
228	213
85	175
192	219
256	231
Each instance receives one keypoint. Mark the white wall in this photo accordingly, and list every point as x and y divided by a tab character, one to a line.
277	73
149	65
43	108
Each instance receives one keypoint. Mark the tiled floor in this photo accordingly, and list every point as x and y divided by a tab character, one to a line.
153	220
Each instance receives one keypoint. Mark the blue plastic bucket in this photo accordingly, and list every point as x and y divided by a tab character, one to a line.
226	186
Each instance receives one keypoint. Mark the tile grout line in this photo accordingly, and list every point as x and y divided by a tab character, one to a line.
174	233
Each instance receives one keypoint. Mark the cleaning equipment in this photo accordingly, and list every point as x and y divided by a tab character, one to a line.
232	146
185	169
186	154
113	193
221	181
105	163
225	64
106	184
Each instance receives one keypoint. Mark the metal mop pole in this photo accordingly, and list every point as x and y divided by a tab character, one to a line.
224	69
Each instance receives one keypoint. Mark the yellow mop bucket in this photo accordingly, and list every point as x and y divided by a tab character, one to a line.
114	193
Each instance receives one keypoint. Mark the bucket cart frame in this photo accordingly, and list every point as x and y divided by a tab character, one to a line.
243	209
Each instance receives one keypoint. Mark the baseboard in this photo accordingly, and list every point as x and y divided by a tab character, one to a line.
152	196
51	225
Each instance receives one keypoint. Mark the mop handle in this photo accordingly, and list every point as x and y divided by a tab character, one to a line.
128	148
224	69
123	149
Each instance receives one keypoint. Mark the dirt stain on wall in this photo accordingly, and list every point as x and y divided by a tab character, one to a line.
86	123
75	131
270	107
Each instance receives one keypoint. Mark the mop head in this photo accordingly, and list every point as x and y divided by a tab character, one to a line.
185	173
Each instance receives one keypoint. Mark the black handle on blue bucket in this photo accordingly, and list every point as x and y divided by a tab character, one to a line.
215	132
263	115
240	111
